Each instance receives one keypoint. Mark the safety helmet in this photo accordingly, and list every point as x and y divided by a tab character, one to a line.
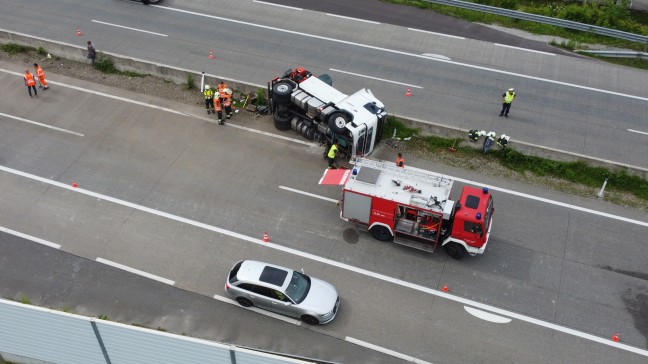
206	87
511	89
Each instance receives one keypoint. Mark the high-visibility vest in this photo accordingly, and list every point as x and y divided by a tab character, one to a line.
29	79
217	105
209	94
333	151
400	162
227	101
508	97
39	72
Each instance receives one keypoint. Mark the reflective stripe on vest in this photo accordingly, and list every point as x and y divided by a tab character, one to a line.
39	72
217	105
29	78
508	97
333	151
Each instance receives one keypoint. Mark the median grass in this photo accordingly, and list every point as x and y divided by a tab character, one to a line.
603	13
564	176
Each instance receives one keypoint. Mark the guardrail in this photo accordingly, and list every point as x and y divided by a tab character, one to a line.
545	20
615	54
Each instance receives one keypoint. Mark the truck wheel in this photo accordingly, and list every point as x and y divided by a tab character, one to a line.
282	120
454	250
337	122
381	233
281	92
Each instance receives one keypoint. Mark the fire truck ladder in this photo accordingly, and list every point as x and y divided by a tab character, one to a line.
405	173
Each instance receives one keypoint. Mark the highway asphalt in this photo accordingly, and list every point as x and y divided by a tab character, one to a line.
182	198
568	103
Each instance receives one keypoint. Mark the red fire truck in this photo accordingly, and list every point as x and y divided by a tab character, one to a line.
411	206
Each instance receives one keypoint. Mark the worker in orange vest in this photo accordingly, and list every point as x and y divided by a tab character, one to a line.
41	77
30	82
222	86
400	161
219	110
227	102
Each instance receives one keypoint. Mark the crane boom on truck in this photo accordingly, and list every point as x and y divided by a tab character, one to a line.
412	206
312	107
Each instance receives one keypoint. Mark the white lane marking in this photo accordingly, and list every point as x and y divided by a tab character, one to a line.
435	33
487	316
407	54
279	5
524	49
103	94
375	78
383	350
350	18
129	28
41	124
29	237
308	194
637	131
258	310
135	271
368	273
438	56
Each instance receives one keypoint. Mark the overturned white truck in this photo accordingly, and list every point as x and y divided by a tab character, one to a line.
313	108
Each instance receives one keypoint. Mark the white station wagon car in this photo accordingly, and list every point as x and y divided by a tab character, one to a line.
283	291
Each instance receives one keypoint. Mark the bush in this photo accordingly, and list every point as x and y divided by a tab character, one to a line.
104	64
190	82
261	97
41	51
13	48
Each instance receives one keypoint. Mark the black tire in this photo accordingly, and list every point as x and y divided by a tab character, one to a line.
310	320
293	122
337	122
310	134
454	250
381	233
282	120
281	92
244	302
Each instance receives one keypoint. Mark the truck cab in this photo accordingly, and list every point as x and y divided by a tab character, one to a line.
312	107
470	227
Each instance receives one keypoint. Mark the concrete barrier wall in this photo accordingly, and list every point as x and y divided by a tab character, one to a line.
179	76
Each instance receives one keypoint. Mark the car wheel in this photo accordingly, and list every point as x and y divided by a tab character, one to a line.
244	302
281	92
381	233
310	320
337	122
455	250
282	119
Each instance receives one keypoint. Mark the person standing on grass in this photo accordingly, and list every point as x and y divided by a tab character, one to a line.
30	82
92	53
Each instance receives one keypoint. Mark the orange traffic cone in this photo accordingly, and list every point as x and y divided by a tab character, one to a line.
266	238
211	54
615	337
408	93
78	33
74	184
445	288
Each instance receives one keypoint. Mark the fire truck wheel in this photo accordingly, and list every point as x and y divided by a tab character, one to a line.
337	122
244	302
281	92
381	233
310	320
455	250
282	120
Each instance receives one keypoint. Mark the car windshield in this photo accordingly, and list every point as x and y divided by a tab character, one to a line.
298	287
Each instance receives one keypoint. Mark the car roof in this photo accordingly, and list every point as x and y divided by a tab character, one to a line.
268	274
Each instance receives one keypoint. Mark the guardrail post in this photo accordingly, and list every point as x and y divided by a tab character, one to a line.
101	344
232	354
602	191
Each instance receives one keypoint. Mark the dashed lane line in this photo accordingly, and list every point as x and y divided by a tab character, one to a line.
354	19
383	350
637	131
279	5
30	237
129	28
348	267
41	124
375	78
524	49
135	271
435	33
